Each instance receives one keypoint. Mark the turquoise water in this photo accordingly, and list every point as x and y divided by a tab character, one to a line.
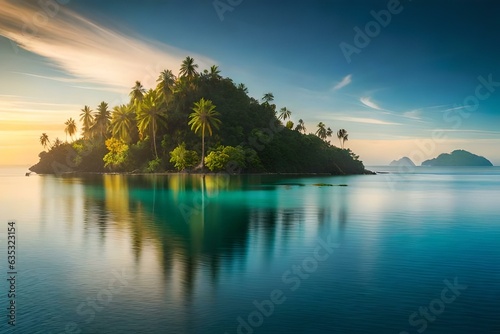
408	252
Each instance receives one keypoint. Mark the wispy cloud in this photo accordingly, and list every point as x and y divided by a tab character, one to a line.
14	108
369	103
60	79
89	51
453	108
422	113
364	120
413	114
487	132
345	81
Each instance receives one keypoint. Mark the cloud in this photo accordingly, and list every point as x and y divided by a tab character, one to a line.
345	81
14	108
468	131
369	103
454	108
365	120
413	114
87	50
60	79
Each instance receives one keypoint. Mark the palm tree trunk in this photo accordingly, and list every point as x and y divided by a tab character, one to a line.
154	140
202	146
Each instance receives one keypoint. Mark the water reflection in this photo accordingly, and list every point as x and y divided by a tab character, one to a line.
200	251
195	223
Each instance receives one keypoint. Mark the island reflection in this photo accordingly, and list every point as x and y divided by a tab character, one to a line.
197	222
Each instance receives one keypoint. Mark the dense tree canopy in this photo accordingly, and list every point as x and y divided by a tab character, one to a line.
197	114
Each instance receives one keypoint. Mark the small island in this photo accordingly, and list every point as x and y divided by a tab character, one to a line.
458	158
195	122
403	162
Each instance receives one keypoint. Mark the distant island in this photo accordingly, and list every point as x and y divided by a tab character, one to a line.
195	122
458	158
404	161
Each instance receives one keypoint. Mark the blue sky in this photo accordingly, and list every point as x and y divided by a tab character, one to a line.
418	75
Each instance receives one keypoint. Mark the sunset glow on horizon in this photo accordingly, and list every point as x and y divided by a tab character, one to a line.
394	96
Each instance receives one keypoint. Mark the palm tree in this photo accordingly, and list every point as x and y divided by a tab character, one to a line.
204	117
243	88
321	132
300	126
44	140
267	98
57	142
70	128
343	136
149	115
215	73
188	68
137	93
284	113
123	122
166	82
329	132
87	119
101	120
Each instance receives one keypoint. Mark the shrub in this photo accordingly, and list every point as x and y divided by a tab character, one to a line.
226	157
154	166
183	158
117	155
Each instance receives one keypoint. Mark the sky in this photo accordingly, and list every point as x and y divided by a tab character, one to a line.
404	78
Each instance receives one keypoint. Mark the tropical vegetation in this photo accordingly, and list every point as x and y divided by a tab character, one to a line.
198	121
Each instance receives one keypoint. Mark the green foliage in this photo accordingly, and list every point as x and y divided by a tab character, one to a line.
138	156
89	155
87	119
247	132
117	155
183	158
252	160
292	152
202	119
154	166
102	120
123	123
79	148
59	159
226	157
149	114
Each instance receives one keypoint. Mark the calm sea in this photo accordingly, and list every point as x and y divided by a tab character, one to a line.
402	253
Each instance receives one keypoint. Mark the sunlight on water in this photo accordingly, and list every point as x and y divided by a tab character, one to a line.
186	254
